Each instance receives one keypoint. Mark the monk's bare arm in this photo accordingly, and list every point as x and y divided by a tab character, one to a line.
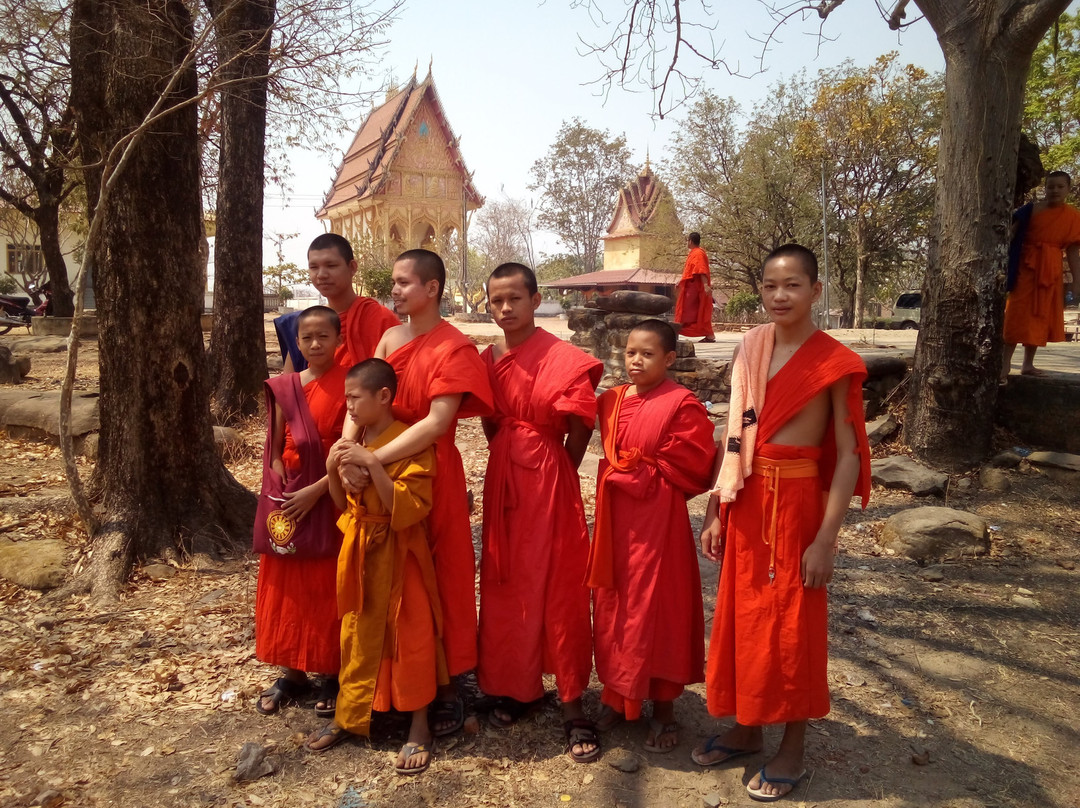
424	432
577	440
817	563
288	367
333	460
1072	255
712	533
712	539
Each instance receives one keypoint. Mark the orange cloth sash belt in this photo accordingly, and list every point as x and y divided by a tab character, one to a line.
351	557
774	471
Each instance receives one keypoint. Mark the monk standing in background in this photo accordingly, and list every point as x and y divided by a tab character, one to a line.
534	605
331	268
694	305
648	617
795	451
1035	308
440	380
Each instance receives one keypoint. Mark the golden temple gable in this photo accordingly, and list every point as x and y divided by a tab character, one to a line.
403	182
645	231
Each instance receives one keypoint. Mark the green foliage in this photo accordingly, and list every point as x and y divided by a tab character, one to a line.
753	182
8	286
741	305
554	267
579	179
1052	96
279	277
379	282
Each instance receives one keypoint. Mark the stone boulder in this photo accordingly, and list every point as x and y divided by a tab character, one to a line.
12	368
933	533
634	302
37	564
880	429
995	479
1057	460
903	473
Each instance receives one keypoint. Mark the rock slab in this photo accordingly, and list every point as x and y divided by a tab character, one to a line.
37	564
933	533
905	474
1058	460
12	368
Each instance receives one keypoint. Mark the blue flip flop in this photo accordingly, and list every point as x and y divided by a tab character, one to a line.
756	793
714	745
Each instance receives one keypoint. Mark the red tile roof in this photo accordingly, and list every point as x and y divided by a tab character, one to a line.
366	167
615	277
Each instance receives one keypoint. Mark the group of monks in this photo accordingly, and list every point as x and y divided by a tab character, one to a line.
392	607
1035	306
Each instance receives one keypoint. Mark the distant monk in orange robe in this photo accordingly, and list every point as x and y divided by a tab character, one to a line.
1035	308
796	450
534	606
694	305
648	618
296	622
386	593
331	267
440	379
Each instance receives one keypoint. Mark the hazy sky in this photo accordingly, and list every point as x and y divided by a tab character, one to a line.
510	72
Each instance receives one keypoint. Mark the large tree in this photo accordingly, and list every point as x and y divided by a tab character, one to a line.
503	232
36	137
988	45
578	180
161	484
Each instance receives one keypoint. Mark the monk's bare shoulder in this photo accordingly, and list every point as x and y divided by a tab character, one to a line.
392	339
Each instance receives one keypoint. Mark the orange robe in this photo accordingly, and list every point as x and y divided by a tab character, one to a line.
391	622
768	653
534	605
439	363
296	621
1035	308
648	617
694	304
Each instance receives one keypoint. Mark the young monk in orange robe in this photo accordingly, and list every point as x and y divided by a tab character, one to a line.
796	449
391	621
694	304
534	605
1035	308
331	268
440	380
296	623
648	618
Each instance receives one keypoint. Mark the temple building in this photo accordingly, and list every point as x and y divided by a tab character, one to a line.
645	246
403	182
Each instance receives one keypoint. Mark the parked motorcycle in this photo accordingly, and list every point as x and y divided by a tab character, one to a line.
15	311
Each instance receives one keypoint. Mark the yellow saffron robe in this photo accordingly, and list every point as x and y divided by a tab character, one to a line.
391	620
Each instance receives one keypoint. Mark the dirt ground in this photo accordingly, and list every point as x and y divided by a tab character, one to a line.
956	686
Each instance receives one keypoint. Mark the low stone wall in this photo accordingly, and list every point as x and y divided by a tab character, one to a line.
61	326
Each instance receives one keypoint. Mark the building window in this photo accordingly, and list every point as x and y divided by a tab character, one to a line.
25	261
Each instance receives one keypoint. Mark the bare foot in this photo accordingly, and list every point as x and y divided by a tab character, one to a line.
661	737
414	757
329	736
738	741
1032	371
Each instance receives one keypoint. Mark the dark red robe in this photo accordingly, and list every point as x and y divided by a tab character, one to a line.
534	605
648	618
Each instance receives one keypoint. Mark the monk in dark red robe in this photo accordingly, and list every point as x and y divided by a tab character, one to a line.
534	605
648	620
694	304
296	622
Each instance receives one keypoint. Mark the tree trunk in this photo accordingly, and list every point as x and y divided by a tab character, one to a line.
237	341
858	301
47	219
162	484
988	47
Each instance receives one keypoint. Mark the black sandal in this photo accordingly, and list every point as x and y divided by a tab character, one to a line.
281	691
451	713
581	731
328	691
